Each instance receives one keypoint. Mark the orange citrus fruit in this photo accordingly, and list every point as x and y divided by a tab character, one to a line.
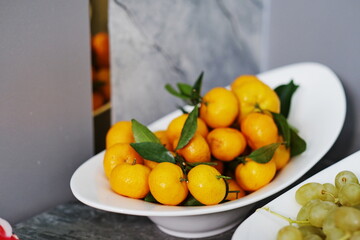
259	129
120	153
130	180
101	49
168	184
219	165
150	164
281	155
162	136
252	176
120	132
254	93
234	186
98	100
243	79
219	107
103	76
206	185
197	150
226	143
175	127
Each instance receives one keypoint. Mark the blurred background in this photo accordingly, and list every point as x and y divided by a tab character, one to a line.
69	70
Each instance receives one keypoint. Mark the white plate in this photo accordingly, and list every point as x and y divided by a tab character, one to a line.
317	111
286	205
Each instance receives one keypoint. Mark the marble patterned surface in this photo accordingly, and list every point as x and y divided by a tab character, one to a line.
75	220
159	42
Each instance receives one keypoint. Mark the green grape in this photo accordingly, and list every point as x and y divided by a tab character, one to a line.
347	218
319	212
303	214
289	233
309	191
329	227
329	211
312	237
309	230
330	193
349	194
335	234
345	177
355	235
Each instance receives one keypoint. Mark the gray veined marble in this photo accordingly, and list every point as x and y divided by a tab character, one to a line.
170	41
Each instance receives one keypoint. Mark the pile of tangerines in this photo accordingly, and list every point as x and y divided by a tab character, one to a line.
232	143
100	69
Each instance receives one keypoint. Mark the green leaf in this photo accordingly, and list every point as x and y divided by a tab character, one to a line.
172	91
297	144
189	128
264	154
142	133
150	198
285	93
185	89
153	151
191	201
283	127
196	90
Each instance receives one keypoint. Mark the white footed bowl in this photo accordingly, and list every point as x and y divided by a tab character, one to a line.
318	112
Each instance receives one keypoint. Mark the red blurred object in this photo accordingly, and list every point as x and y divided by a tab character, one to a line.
6	231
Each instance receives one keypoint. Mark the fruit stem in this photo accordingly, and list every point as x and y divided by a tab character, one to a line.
222	176
203	163
183	180
257	107
289	220
336	200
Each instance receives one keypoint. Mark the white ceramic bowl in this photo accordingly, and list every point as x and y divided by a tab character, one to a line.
318	112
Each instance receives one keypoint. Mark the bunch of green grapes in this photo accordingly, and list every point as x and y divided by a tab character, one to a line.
329	211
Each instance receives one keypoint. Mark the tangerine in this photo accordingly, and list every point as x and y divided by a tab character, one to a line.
120	153
130	180
253	94
234	186
168	184
226	143
281	155
176	125
252	176
206	184
197	149
120	132
219	107
259	129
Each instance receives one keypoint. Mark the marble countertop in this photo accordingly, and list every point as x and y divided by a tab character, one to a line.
75	220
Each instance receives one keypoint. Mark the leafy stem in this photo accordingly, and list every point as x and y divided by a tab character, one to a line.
190	94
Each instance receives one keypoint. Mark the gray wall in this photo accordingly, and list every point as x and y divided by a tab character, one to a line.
45	103
326	31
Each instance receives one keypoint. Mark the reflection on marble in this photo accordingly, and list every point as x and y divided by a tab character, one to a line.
170	41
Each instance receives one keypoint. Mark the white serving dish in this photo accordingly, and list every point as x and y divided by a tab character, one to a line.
286	204
319	96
